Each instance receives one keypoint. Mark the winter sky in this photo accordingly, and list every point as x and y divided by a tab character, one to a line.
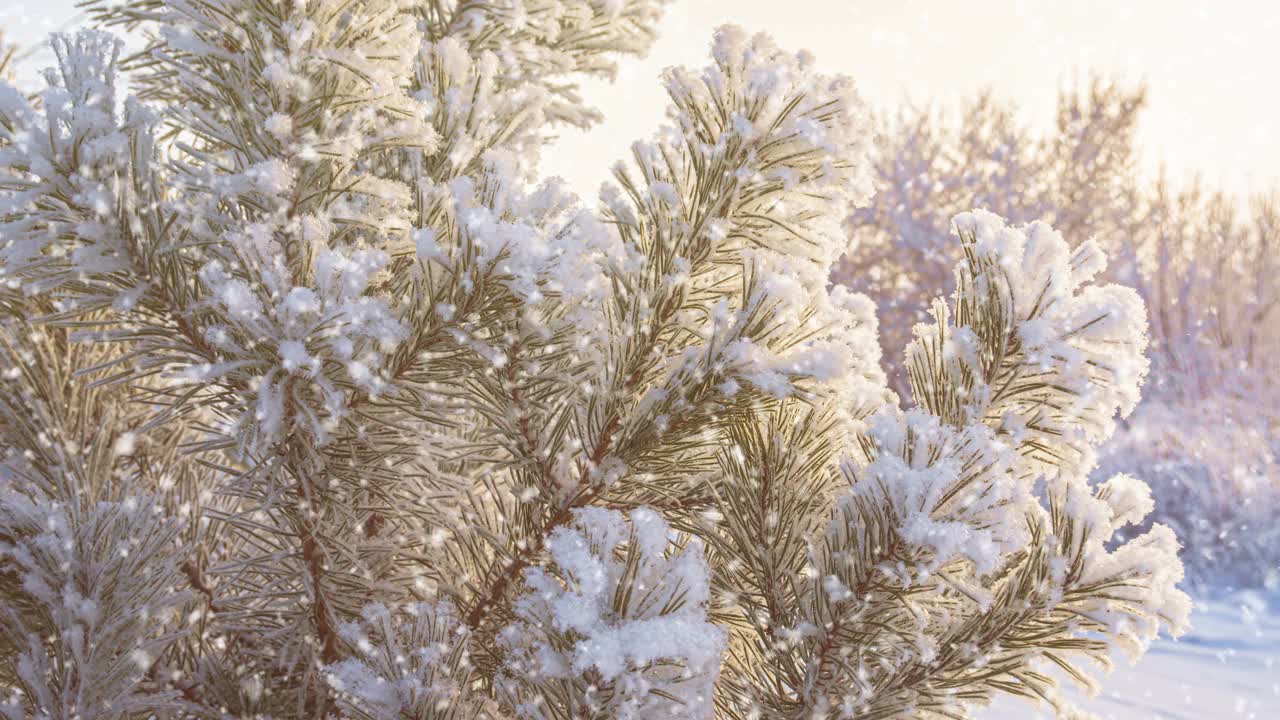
1211	67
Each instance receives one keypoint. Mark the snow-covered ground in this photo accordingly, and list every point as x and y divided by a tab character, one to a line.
1226	667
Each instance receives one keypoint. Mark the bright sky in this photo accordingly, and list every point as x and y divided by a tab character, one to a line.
1214	100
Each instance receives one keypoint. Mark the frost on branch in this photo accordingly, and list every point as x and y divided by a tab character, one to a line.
295	228
538	45
615	625
96	595
91	599
729	209
67	166
407	662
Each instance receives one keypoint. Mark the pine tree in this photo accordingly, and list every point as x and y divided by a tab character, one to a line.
317	402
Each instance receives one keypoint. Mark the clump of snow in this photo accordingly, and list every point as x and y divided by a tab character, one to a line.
620	607
125	443
952	493
1129	498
